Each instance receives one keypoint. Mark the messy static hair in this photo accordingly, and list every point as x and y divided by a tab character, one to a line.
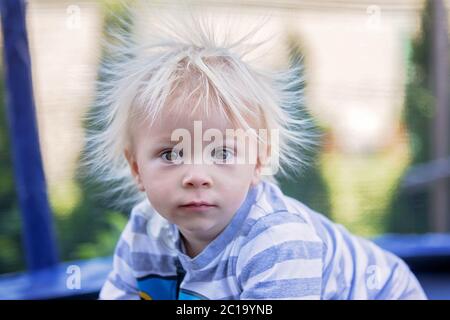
185	58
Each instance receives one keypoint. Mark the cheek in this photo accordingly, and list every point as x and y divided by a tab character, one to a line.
234	180
155	181
157	195
156	185
245	172
150	172
238	183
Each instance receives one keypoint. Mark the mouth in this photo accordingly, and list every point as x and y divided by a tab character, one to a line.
198	206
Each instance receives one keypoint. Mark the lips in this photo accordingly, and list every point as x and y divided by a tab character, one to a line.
197	207
198	204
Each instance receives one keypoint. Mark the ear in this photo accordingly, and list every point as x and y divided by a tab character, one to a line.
256	174
134	168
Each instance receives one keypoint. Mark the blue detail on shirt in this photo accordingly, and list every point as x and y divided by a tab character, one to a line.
158	288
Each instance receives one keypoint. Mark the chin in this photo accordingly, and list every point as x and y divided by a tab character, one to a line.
207	229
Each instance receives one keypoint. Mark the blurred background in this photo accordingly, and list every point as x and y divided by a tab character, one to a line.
377	82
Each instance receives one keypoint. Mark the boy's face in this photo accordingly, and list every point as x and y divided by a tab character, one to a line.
171	185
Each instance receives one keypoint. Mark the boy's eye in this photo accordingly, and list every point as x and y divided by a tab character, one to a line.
222	154
172	155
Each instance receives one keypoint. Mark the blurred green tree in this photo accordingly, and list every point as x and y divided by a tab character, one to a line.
409	210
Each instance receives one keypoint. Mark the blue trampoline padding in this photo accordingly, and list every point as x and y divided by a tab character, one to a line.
435	285
415	246
51	283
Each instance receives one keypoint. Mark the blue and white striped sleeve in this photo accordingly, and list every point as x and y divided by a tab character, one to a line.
356	268
384	276
282	259
121	283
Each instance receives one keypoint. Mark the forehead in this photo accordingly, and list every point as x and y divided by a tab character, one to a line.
170	121
167	123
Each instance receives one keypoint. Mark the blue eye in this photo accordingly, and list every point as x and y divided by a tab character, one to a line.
172	155
222	154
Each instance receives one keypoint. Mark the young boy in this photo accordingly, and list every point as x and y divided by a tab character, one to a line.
200	134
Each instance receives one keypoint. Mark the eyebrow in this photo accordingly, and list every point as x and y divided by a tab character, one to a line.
164	138
161	144
166	141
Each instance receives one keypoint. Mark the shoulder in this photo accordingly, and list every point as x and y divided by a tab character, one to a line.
274	231
279	216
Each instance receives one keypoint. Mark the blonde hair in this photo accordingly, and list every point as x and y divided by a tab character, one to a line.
185	56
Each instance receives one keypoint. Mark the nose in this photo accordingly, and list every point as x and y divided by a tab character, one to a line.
196	177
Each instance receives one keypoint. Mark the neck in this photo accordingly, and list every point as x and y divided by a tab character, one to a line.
193	245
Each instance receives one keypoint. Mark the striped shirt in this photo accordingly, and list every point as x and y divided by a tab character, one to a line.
274	247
